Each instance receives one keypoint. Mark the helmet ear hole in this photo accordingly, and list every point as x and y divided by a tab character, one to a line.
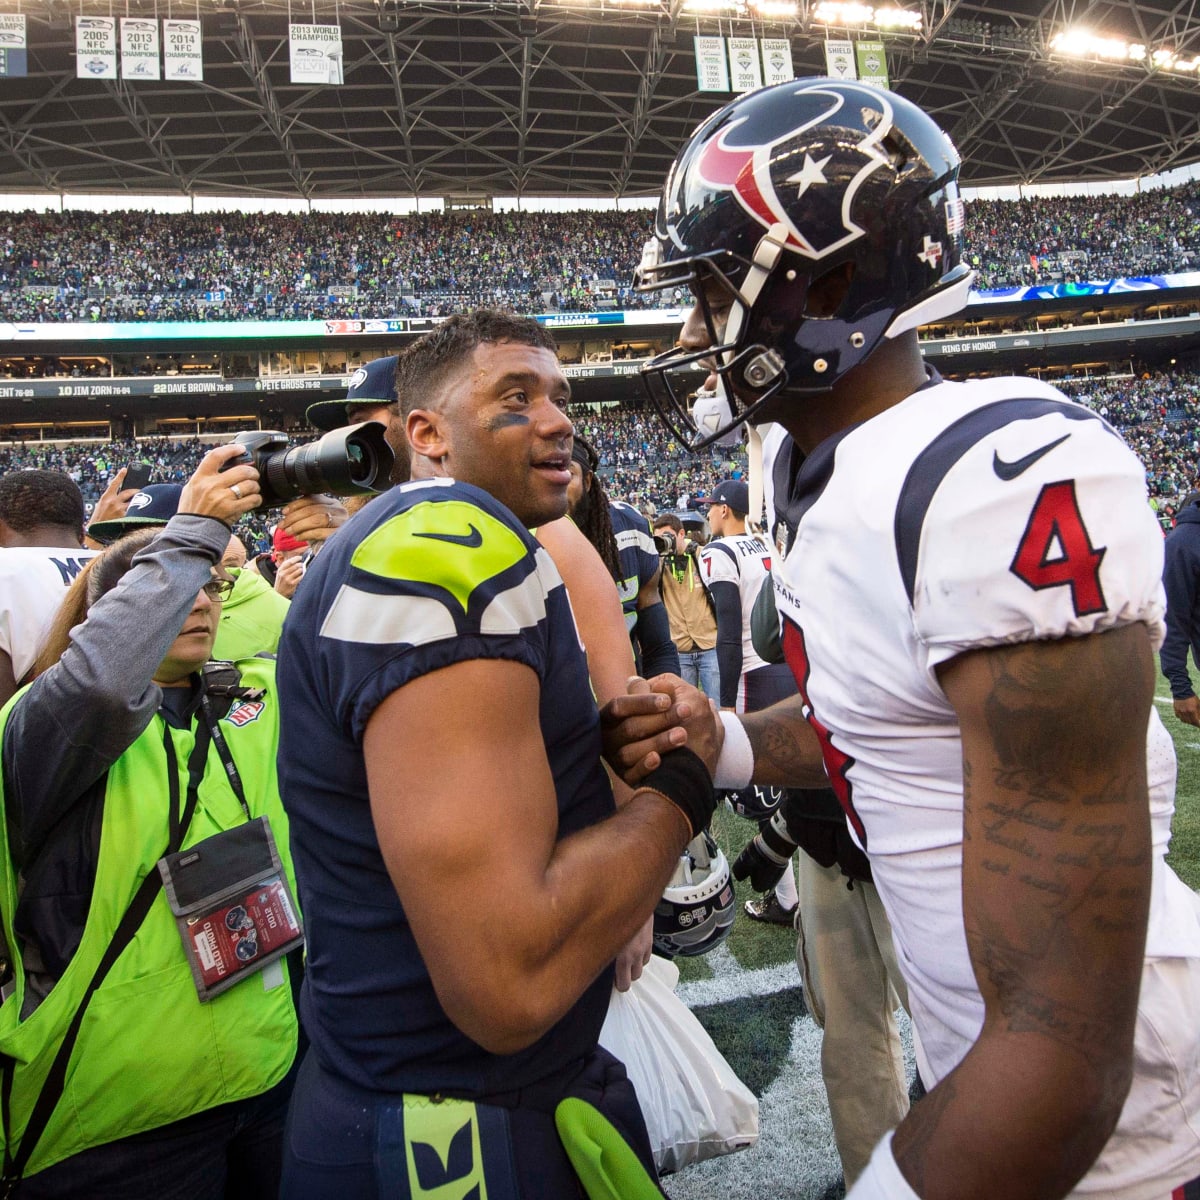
827	293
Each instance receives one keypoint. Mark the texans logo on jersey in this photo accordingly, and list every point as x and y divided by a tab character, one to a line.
745	159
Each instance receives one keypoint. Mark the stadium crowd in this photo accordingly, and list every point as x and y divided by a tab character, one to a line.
1157	412
134	266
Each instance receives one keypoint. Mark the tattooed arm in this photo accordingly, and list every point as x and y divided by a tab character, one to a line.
786	750
1056	886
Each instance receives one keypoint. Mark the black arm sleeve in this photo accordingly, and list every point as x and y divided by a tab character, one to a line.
727	604
653	631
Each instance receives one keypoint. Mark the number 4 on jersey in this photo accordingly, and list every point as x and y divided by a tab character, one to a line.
1056	551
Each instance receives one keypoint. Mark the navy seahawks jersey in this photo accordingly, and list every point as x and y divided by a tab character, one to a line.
636	553
431	574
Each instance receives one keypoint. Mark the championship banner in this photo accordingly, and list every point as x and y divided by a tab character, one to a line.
139	49
745	66
777	60
839	60
183	50
872	63
95	48
712	67
14	58
316	53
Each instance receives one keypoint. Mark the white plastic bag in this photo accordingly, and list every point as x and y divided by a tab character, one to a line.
695	1106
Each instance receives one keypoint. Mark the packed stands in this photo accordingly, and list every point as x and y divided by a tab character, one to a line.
134	266
1157	413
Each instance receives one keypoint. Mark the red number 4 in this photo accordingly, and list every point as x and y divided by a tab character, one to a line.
1056	551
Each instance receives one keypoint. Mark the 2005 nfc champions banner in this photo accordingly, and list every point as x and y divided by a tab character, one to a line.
95	47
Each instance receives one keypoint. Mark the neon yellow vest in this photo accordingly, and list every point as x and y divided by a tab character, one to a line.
149	1052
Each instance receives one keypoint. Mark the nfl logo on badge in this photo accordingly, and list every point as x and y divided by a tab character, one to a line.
244	713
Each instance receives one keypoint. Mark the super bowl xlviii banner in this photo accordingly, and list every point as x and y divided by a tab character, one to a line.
839	60
139	48
872	63
712	67
95	48
745	66
316	53
13	46
183	53
777	60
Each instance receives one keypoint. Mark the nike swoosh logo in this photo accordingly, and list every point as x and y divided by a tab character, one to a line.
1010	470
471	540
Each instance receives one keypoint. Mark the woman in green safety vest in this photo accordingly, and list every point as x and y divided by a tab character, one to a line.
148	1027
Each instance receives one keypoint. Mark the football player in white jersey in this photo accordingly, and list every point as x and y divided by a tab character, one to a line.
971	606
41	551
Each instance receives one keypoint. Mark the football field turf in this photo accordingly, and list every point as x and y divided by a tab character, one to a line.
747	994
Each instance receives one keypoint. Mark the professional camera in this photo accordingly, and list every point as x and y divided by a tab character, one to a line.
664	544
345	462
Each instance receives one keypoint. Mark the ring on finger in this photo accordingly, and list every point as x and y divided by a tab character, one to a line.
237	491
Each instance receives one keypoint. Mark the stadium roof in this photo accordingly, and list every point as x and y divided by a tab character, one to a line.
469	100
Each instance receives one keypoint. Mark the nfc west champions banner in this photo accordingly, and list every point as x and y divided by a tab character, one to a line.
13	46
95	48
316	53
183	56
139	48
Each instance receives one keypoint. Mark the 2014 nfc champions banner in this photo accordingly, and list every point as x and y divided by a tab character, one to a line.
740	64
183	55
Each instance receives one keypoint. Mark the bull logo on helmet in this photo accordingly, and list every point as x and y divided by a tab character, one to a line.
745	160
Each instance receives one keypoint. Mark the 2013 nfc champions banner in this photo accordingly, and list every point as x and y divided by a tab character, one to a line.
139	49
14	54
315	52
739	64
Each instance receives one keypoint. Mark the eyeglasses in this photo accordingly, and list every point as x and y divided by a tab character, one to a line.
218	589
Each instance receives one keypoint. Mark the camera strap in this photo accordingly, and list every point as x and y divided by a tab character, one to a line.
130	923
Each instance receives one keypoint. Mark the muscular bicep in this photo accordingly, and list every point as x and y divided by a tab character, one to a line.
462	797
1056	838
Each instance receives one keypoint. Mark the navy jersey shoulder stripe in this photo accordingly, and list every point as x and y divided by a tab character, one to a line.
724	549
803	479
934	463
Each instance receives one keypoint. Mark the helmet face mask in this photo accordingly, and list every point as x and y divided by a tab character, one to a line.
826	214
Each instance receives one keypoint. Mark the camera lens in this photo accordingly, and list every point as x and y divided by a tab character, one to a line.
345	462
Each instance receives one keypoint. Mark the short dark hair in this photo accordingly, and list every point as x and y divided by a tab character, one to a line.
670	520
423	365
32	498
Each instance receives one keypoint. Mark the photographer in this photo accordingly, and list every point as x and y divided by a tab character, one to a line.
689	609
124	1073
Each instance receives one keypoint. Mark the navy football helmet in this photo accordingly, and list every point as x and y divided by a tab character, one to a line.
811	220
755	802
696	910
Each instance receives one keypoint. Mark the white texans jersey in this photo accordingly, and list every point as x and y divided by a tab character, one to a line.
744	561
33	581
967	516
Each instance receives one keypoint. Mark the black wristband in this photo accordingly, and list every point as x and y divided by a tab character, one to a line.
683	779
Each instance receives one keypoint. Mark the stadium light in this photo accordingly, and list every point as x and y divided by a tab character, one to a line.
710	6
776	10
1083	43
847	13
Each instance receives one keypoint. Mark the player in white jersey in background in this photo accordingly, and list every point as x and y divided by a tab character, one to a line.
971	604
734	566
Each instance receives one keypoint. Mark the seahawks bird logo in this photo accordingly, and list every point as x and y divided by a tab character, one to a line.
748	159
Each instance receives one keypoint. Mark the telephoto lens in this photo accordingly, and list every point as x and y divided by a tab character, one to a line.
350	461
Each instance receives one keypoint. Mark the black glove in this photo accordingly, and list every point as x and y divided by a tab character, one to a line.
765	858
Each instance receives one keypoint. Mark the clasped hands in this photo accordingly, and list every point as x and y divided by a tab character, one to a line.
655	717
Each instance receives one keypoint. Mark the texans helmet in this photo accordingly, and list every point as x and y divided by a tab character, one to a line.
696	910
755	802
811	220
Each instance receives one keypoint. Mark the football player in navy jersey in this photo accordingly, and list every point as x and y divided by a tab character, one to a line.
970	607
465	879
